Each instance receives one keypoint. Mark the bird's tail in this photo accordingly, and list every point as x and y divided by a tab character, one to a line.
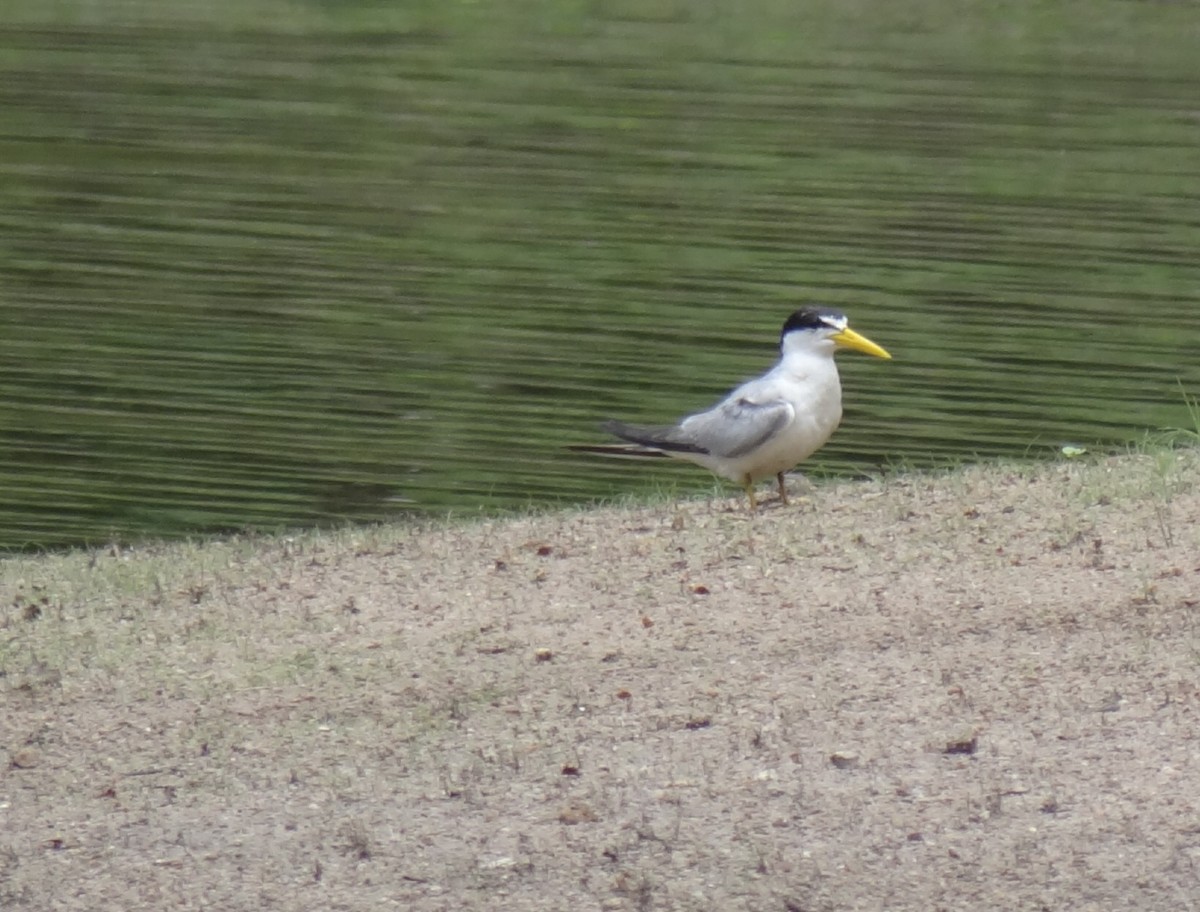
619	450
653	436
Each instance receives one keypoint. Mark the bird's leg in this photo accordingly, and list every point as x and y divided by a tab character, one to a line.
782	489
748	487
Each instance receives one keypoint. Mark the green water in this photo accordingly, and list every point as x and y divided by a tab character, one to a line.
272	263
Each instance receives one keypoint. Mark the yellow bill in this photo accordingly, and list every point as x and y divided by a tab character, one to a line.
848	338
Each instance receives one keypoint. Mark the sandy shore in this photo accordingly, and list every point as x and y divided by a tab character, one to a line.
978	690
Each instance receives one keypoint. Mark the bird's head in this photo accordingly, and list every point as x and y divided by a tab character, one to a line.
815	328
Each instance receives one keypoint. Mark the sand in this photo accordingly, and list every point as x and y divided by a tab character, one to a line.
971	690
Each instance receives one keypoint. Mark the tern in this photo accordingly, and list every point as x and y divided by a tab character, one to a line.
767	425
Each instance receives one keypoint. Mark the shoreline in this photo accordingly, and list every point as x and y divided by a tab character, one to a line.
977	686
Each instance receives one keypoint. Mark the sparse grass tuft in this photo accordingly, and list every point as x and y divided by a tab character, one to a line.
356	839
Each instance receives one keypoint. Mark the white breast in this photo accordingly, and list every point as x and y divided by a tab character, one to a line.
812	387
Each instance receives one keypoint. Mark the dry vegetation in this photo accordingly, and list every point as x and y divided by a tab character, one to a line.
972	691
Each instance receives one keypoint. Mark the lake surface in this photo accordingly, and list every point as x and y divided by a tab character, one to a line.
268	265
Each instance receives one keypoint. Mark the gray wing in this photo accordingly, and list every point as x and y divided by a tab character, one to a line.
735	427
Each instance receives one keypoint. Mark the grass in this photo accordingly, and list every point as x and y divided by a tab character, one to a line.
1169	438
642	700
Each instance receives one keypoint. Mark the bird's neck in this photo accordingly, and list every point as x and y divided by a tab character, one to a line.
807	364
